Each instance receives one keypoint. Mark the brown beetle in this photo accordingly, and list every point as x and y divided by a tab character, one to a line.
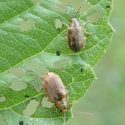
55	90
76	39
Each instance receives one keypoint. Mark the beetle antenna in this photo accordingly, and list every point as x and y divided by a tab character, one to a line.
78	10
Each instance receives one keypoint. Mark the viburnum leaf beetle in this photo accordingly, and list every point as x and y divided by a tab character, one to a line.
76	38
55	90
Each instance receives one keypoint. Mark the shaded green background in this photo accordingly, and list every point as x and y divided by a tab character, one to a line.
104	103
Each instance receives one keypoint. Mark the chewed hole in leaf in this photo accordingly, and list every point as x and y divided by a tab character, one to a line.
2	98
94	17
73	9
94	14
19	72
58	24
18	85
81	7
46	103
27	25
31	108
37	84
2	120
8	78
29	76
38	68
61	64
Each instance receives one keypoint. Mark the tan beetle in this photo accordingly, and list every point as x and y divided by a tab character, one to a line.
76	39
55	90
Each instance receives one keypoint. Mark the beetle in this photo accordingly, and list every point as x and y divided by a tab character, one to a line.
76	39
55	90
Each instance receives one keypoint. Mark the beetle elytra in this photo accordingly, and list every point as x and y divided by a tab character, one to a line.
76	39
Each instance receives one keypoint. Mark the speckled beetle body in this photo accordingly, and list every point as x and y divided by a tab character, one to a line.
76	39
55	90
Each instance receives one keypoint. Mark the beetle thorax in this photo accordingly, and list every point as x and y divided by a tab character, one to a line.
75	23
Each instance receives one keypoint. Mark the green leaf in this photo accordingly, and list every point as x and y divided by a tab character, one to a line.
29	43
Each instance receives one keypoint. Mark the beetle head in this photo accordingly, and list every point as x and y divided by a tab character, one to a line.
62	105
